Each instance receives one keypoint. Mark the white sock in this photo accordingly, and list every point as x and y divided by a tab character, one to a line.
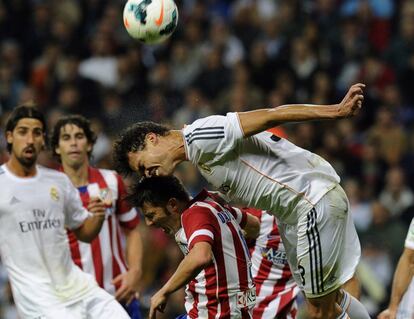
352	307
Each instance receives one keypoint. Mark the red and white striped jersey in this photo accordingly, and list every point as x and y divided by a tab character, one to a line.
276	290
104	257
225	288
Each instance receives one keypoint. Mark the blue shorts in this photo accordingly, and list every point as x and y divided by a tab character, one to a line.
134	309
182	317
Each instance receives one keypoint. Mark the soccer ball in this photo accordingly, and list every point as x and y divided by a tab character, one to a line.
150	21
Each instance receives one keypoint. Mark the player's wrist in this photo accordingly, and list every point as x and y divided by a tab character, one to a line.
338	111
166	290
135	271
392	308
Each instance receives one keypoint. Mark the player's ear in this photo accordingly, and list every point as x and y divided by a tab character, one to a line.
9	137
172	205
57	150
151	138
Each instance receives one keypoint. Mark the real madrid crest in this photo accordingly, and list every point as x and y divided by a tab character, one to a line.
54	194
205	168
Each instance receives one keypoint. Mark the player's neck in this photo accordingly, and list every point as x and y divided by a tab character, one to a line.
177	148
20	170
77	175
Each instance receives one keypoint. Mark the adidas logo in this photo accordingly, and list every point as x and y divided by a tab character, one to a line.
14	201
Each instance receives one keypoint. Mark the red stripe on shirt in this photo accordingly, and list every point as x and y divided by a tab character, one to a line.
115	267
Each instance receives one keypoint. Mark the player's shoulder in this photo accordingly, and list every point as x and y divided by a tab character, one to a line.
105	171
111	177
212	122
52	173
198	211
2	171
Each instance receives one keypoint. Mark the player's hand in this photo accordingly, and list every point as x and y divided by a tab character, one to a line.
352	102
129	282
97	207
158	303
387	314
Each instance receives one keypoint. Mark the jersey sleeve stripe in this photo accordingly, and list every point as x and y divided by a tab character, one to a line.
205	138
128	216
200	232
190	135
205	129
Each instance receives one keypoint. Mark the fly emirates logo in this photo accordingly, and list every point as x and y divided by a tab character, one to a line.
40	222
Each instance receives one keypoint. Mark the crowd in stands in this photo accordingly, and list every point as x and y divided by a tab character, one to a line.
74	56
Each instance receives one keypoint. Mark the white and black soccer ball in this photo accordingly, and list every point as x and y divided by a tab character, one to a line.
150	21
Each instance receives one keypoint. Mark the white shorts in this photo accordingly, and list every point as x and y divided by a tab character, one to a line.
323	249
96	304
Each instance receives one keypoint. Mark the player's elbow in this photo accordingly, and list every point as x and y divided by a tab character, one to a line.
85	238
252	228
202	255
84	235
205	260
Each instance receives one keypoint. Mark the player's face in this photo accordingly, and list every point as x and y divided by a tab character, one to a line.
160	217
153	160
73	146
27	141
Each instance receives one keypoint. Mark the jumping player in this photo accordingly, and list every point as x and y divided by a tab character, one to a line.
258	169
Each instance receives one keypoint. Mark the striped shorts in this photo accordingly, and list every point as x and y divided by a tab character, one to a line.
323	249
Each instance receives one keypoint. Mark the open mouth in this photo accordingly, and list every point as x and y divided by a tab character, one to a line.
166	230
74	153
153	171
29	151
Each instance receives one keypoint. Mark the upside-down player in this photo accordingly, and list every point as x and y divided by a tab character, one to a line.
257	169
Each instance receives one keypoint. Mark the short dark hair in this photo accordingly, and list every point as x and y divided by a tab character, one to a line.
132	140
157	191
75	119
22	112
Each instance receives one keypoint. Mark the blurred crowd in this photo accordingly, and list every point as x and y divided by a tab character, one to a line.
74	56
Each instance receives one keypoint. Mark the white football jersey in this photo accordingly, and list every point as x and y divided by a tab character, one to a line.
406	308
33	241
261	171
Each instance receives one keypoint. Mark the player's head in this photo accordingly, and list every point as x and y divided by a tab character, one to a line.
140	149
25	134
72	140
161	199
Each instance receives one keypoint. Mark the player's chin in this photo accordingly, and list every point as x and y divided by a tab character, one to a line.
28	159
165	171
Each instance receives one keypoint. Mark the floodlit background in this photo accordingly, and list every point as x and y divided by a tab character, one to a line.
75	57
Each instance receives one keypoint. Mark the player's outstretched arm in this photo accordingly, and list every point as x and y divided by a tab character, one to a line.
402	278
257	121
92	225
199	257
